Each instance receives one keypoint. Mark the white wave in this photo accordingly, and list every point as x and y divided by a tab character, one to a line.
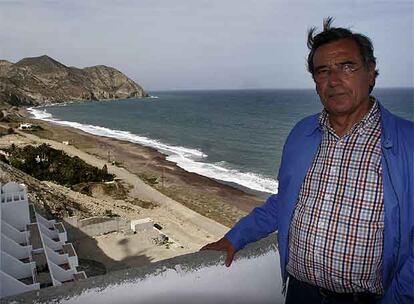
121	135
153	97
220	172
186	158
39	114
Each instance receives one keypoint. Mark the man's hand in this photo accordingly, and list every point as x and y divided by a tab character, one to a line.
222	245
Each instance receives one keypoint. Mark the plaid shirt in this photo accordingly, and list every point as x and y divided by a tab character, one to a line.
336	233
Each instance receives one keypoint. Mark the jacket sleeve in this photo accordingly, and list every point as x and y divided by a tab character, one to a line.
401	290
258	224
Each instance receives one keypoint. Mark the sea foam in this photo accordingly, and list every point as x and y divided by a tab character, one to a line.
187	158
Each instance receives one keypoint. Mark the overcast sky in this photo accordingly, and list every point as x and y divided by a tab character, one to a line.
195	44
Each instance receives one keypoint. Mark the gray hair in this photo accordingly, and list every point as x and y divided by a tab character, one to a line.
331	34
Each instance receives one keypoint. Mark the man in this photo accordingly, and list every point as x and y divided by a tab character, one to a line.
344	211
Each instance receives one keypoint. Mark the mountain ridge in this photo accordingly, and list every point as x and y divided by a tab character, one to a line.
43	80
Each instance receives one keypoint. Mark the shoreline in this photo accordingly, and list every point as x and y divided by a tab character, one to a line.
189	159
221	201
192	210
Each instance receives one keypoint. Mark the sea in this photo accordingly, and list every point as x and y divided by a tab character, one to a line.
233	136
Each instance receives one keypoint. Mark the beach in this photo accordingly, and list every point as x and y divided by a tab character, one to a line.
191	209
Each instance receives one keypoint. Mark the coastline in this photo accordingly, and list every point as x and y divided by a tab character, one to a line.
222	202
192	210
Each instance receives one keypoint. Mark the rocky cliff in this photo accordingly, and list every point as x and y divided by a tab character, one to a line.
42	80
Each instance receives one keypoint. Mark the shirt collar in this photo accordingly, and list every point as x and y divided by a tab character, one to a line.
360	127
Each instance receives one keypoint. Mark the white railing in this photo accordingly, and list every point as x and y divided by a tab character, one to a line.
9	197
51	243
10	286
63	236
57	258
60	274
53	268
14	249
73	258
14	234
69	249
47	223
55	282
50	233
16	268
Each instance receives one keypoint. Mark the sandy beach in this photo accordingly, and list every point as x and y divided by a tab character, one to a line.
191	209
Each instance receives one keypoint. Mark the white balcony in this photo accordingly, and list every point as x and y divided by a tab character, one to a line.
72	256
14	249
52	234
14	234
61	260
58	233
61	249
59	274
16	268
63	236
10	286
47	223
53	225
16	214
54	245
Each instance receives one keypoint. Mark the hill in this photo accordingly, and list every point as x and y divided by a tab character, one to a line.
43	80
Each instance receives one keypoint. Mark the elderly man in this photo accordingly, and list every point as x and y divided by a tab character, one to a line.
345	207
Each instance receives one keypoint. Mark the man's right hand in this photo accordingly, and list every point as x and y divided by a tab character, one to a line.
222	245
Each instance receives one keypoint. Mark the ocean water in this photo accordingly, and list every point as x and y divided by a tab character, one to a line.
234	136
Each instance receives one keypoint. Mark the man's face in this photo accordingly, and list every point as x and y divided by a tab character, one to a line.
342	81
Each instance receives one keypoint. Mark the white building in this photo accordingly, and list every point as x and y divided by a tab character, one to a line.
34	252
25	126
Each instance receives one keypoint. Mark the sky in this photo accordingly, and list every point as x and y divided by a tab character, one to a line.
197	44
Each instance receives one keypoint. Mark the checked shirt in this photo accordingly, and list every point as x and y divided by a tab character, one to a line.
336	233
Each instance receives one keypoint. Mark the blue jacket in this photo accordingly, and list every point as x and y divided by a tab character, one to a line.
397	141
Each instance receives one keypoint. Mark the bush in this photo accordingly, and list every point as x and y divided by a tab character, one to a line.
46	163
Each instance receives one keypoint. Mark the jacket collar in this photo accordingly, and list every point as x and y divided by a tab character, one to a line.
387	126
314	125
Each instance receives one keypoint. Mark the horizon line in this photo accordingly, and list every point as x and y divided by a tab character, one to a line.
259	89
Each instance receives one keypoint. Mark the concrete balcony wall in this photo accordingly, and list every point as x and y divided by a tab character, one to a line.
12	233
55	257
63	236
73	258
60	274
73	262
15	196
52	228
50	233
254	277
51	243
16	214
56	282
47	223
16	268
14	249
10	286
100	225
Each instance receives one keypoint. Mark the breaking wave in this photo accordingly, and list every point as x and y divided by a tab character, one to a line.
187	158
